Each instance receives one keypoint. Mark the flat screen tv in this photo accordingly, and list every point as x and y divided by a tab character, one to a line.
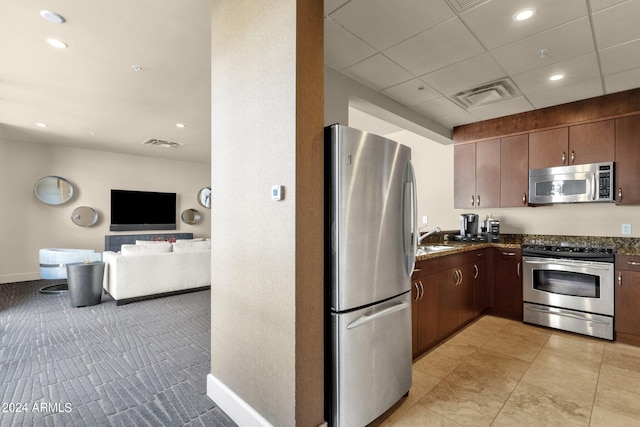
142	210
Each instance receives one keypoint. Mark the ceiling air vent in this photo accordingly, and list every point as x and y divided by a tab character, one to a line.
462	5
162	143
489	93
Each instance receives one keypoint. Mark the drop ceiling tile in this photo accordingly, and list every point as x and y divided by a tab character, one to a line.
569	93
563	42
383	23
503	108
465	75
493	23
575	70
597	5
378	72
456	119
439	107
332	5
617	24
341	48
620	58
622	81
436	48
409	93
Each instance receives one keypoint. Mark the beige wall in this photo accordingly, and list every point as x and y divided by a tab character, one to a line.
266	340
27	225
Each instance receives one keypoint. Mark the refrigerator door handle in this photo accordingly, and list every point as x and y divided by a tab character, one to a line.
411	258
362	320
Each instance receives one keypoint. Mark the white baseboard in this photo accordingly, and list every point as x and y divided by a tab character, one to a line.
233	405
23	277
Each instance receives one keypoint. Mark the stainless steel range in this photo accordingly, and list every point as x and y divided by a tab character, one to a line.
569	288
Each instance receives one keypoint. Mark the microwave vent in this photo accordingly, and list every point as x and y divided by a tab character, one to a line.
464	5
162	143
488	93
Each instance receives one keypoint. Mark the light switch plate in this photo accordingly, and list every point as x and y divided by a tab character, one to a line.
626	229
425	219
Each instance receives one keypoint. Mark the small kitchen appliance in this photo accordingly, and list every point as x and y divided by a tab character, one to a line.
572	184
468	224
492	230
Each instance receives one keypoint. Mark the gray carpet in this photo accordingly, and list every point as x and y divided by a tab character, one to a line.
139	364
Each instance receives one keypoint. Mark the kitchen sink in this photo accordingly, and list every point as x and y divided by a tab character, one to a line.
429	249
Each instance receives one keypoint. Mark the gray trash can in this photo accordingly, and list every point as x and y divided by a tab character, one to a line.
85	283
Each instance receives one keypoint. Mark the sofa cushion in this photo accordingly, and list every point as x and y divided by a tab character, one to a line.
161	247
189	246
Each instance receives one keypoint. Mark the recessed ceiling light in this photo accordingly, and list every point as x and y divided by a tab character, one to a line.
556	77
57	43
524	14
180	125
41	125
52	17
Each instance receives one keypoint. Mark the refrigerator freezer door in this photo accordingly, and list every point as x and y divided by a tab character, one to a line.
372	247
372	361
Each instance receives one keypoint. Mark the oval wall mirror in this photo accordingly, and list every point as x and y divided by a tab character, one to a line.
84	216
204	197
190	216
53	190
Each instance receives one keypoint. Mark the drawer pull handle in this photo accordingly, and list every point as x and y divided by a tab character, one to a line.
509	253
633	263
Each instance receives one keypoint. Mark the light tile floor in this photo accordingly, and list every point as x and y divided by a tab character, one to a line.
498	372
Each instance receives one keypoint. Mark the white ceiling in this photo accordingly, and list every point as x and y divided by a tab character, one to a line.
422	53
418	52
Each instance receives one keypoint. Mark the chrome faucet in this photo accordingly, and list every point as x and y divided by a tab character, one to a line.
427	234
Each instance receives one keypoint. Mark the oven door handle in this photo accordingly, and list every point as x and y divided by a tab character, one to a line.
570	315
551	261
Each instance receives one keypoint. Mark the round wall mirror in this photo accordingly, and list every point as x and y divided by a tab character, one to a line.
53	190
190	216
84	216
204	197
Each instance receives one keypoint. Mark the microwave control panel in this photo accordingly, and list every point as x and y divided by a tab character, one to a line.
605	182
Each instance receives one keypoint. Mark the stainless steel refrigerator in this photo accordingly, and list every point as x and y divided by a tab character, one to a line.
370	246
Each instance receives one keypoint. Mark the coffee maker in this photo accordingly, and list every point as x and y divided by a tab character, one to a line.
468	225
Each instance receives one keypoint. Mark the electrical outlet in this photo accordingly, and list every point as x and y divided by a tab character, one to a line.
626	229
425	219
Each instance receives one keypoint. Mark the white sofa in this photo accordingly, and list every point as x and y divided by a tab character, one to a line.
153	269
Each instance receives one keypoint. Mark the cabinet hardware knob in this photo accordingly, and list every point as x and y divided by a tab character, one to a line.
473	200
564	157
573	157
421	289
633	263
620	194
518	269
478	200
417	270
524	198
509	253
417	297
477	271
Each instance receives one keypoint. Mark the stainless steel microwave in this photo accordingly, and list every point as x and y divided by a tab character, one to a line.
572	184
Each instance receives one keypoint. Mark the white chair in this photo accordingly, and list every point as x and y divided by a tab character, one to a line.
53	265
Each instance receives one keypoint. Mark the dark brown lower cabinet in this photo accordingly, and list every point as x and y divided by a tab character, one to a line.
627	299
507	283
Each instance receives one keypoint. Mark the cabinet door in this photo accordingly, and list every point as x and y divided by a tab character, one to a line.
514	171
447	302
627	302
627	169
548	148
480	283
464	175
507	286
415	295
591	143
464	292
488	174
428	313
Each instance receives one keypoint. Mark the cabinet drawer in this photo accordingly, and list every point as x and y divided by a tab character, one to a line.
628	262
424	268
456	260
